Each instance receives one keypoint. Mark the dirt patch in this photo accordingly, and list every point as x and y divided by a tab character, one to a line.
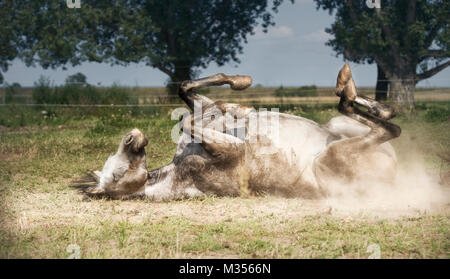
46	209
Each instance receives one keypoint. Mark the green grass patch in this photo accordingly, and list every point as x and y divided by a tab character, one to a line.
41	216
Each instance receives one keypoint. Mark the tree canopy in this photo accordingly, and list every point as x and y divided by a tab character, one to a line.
50	34
178	37
8	39
78	78
408	39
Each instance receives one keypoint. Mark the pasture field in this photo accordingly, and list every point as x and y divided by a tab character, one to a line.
254	95
42	149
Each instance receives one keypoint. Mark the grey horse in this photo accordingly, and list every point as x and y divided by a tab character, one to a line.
281	154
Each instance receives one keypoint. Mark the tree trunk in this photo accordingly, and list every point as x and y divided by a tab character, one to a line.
3	89
180	74
401	91
382	86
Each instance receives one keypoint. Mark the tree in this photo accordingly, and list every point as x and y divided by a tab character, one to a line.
382	86
78	79
187	35
8	39
178	37
407	39
50	34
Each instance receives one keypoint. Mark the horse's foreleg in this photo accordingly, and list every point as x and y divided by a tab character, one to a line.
222	146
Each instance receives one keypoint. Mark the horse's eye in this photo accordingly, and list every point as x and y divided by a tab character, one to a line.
152	177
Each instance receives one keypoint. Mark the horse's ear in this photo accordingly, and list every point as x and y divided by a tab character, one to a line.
128	139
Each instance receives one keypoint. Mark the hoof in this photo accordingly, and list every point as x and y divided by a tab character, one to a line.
345	86
240	82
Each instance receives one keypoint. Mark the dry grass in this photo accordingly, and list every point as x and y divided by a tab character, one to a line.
41	216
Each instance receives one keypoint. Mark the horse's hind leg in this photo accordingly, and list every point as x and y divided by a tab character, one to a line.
345	86
380	129
350	158
376	108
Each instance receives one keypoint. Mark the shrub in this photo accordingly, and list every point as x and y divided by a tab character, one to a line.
11	90
115	95
74	94
44	93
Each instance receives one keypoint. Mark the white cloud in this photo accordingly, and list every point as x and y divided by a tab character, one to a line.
318	36
276	32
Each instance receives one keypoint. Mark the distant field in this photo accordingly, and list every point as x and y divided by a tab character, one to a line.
41	217
254	95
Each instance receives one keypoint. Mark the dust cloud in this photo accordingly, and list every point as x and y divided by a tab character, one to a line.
414	192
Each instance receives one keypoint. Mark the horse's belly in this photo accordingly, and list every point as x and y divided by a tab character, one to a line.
281	161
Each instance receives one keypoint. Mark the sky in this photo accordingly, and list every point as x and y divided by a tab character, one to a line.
292	53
